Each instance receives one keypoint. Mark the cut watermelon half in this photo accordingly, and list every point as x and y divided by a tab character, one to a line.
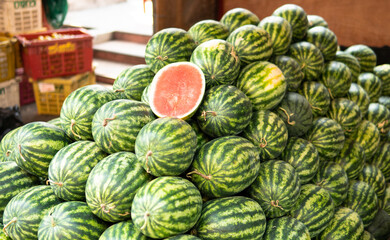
177	90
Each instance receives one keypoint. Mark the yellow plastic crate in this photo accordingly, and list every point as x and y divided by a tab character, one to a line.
7	59
9	93
50	93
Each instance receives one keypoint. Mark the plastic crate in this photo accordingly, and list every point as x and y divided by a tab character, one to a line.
26	90
9	93
7	59
51	93
65	56
20	16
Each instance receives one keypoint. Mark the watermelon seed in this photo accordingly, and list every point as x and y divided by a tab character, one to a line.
8	224
72	123
148	154
263	143
276	204
103	206
8	153
146	216
204	114
20	152
196	171
288	116
105	121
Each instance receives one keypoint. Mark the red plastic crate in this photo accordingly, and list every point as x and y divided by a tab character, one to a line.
26	91
56	57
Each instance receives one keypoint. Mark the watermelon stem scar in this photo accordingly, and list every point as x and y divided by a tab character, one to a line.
8	224
148	154
8	153
105	121
123	214
60	184
146	216
276	204
162	58
263	142
196	171
330	93
204	114
103	207
72	123
119	90
321	183
20	152
53	223
316	108
288	116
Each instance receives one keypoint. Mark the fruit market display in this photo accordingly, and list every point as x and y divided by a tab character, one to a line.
239	129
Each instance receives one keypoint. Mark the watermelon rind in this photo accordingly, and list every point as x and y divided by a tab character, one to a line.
365	55
291	71
351	158
208	29
318	97
383	72
324	39
351	62
286	228
337	78
297	18
359	95
280	32
237	17
123	230
372	84
315	20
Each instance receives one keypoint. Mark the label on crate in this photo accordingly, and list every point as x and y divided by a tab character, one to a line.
62	48
46	87
25	4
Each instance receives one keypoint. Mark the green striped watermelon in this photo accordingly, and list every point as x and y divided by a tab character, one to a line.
24	212
381	159
206	30
386	199
296	113
384	100
358	95
225	166
286	228
35	144
264	84
365	55
351	158
346	224
116	124
380	116
166	146
112	185
280	32
362	199
315	208
268	132
372	84
367	135
218	61
69	221
251	44
383	72
324	39
70	167
291	71
123	230
367	236
7	146
380	226
333	178
145	95
166	206
79	107
346	113
225	110
310	59
233	218
183	237
168	46
315	20
337	78
237	17
327	136
318	97
56	122
201	137
351	62
297	18
372	175
276	188
303	156
131	82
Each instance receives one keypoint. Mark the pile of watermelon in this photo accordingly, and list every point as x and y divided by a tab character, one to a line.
236	129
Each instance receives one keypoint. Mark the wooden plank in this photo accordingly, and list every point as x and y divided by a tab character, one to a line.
131	37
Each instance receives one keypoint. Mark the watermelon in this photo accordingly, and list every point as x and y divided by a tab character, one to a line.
35	144
206	30
372	84
104	193
358	95
166	206
7	145
145	95
3	236
367	135
183	237
225	110
337	78
131	82
286	228
346	113
296	113
69	221
315	209
372	175
251	44
362	199
367	236
351	62
116	124
24	212
123	230
70	167
309	58
365	55
346	224
264	84
225	166
79	107
167	46
297	18
380	116
384	100
280	32
315	20
218	61
303	156
383	72
324	39
381	159
56	122
318	97
177	90
333	178
351	158
268	132
237	17
327	136
201	137
291	71
276	188
166	146
386	200
380	227
234	218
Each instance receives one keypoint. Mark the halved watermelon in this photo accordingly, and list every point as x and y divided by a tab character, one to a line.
177	90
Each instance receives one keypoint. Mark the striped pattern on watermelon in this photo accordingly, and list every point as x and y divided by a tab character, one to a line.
380	116
384	100
166	206
145	95
367	236
280	32
104	194
234	218
168	46
315	20
286	228
251	44
383	72
351	158
324	39
351	62
183	237
358	95
297	18
291	71
337	78
381	159
386	200
7	144
206	30
201	137
365	55
25	211
372	84
372	175
276	188
346	113
367	135
225	166
56	122
69	221
238	17
123	230
318	97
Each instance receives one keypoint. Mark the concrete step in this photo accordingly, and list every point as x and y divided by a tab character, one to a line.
107	71
120	51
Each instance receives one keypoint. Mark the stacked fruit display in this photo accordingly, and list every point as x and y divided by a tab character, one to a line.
238	129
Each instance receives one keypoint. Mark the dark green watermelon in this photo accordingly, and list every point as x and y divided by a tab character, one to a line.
123	230
208	29
297	18
351	158
351	62
201	137
383	72
346	113
337	78
380	116
385	100
358	95
318	96
7	144
380	227
286	228
315	20
291	71
381	159
280	32
183	237
324	39
372	84
372	175
368	136
237	17
365	55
